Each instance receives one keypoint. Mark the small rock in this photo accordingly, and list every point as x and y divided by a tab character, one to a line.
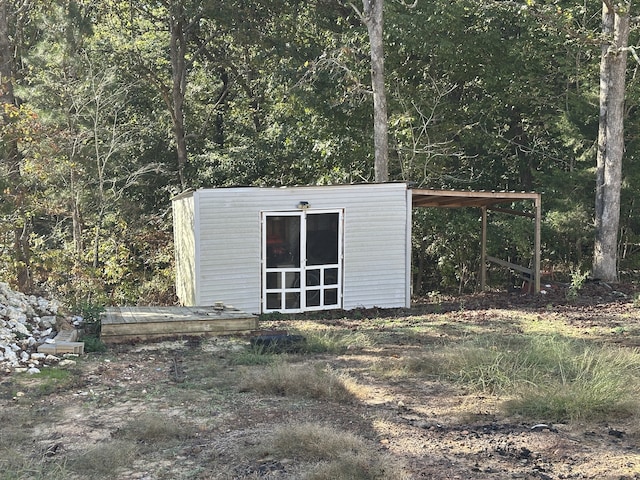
616	433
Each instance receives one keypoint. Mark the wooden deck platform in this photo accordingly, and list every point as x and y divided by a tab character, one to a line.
125	324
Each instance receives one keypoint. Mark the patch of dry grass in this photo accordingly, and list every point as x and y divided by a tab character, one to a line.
149	431
306	380
15	465
105	459
330	453
549	377
141	435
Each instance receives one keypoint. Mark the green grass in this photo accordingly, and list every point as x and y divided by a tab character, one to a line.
545	377
254	355
47	381
594	383
334	341
315	341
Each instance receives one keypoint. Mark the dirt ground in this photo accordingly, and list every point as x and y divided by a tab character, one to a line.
432	429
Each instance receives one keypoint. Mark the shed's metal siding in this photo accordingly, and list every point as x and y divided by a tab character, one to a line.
229	240
376	256
375	253
185	249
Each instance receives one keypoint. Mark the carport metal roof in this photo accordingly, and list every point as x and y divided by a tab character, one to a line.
489	201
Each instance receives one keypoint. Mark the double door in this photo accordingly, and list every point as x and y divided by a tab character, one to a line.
301	260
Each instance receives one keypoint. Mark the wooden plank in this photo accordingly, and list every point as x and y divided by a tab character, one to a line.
188	325
511	265
128	323
511	211
112	315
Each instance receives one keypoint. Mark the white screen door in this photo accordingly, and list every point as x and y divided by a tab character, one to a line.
301	260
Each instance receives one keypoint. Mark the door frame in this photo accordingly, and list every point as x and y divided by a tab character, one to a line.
301	288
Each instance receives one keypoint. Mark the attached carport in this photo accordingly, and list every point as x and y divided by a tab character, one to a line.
497	202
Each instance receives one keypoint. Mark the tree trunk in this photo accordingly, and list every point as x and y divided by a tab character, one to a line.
13	157
373	19
615	29
177	48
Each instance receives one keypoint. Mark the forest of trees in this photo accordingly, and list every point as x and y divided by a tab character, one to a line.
110	108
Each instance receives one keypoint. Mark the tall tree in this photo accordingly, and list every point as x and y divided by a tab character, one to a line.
373	18
613	62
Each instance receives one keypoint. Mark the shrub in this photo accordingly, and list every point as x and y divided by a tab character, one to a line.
93	343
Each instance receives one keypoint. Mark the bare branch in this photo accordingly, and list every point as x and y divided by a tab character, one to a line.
358	12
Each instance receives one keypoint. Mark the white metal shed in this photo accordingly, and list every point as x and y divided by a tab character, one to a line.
296	248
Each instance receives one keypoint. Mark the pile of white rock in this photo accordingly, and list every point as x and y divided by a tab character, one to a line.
26	321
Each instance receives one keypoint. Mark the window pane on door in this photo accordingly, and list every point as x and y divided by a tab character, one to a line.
313	278
331	296
331	276
293	279
283	241
292	300
274	280
274	301
313	298
322	238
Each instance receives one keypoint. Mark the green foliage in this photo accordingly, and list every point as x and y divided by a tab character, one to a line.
444	261
90	312
91	315
93	344
578	279
277	93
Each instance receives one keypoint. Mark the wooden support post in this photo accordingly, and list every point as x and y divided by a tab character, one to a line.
537	246
483	252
